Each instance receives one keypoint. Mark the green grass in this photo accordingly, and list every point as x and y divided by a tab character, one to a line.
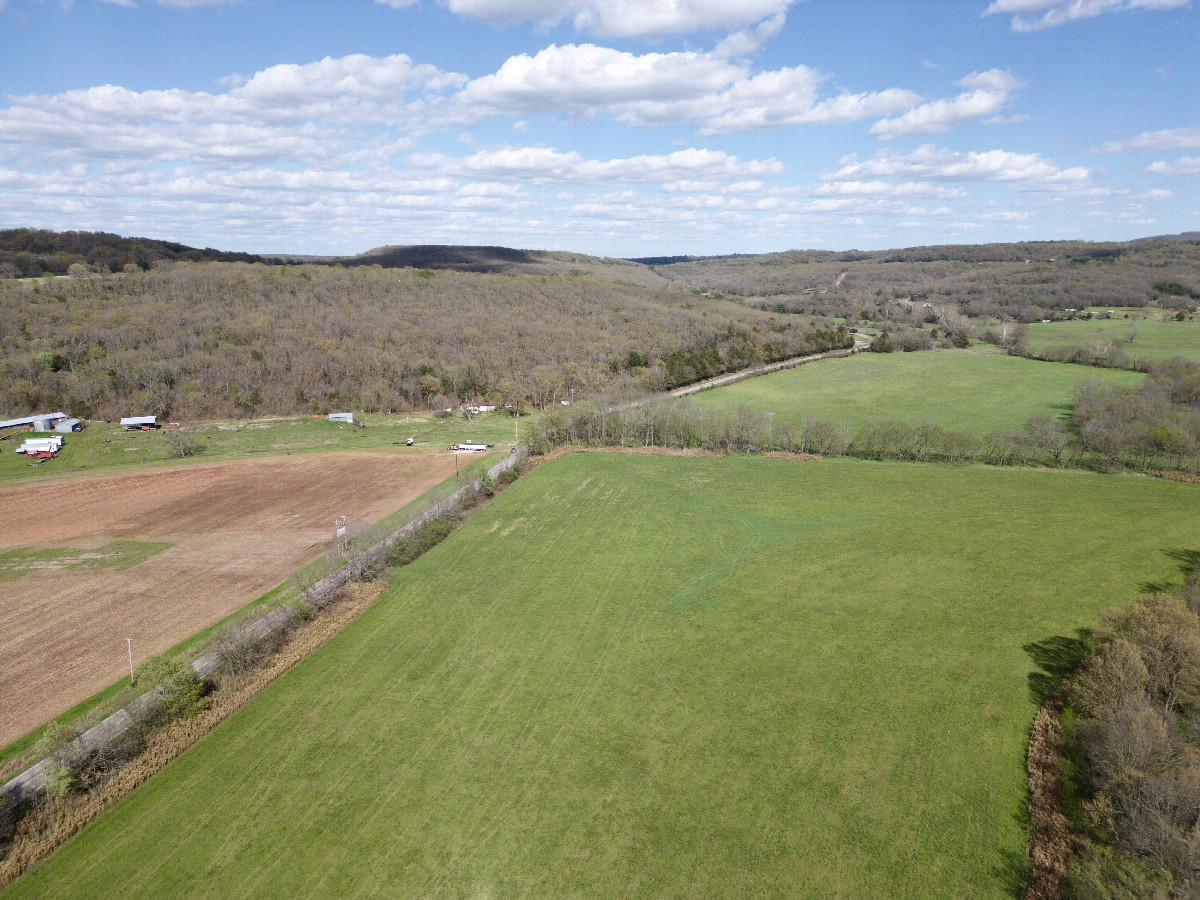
117	695
969	390
113	555
647	677
106	445
1156	340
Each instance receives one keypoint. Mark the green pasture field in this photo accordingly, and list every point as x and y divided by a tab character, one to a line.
1133	312
664	677
103	445
1151	337
113	555
963	390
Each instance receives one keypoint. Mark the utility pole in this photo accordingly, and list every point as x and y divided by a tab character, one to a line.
129	647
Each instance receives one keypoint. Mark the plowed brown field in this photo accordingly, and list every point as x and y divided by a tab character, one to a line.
238	528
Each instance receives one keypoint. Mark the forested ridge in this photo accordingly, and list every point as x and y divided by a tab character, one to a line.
1023	282
215	339
30	252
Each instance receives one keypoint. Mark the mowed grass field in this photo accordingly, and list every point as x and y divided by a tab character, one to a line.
969	390
663	677
1151	337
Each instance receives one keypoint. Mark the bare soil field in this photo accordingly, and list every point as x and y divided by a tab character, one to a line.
237	529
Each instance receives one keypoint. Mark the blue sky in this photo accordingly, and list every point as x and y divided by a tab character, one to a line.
622	128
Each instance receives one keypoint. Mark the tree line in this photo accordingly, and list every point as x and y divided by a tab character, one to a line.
1131	773
1149	428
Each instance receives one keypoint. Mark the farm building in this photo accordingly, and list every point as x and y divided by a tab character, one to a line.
66	426
342	417
139	423
39	422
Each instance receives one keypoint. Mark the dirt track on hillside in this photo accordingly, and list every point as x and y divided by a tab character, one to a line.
238	528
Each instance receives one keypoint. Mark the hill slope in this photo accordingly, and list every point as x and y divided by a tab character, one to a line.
202	341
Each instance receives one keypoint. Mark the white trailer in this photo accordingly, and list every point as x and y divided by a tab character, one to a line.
42	447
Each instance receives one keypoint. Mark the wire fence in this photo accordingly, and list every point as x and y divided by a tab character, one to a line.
310	587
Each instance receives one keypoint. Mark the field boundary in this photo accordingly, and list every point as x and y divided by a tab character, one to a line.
861	343
25	785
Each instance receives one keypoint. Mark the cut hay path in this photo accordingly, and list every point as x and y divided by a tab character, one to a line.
237	528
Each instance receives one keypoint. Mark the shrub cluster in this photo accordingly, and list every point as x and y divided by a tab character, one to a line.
407	549
1133	752
1099	354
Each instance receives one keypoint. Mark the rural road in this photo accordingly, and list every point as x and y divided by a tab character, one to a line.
861	342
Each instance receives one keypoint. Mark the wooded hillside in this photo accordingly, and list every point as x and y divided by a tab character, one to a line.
1021	281
215	339
30	252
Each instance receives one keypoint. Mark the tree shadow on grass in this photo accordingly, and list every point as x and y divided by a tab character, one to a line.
1057	657
1189	565
1189	560
1012	871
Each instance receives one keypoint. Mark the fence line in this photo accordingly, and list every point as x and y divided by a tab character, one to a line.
33	779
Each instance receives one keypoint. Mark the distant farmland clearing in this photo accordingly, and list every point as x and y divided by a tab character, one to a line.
1151	338
662	677
195	543
959	390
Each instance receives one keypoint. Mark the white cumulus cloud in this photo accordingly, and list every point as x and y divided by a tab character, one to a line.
987	94
1035	15
721	95
649	19
931	163
1185	165
547	166
1155	142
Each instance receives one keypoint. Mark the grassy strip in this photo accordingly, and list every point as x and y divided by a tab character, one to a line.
473	467
113	555
105	446
56	823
